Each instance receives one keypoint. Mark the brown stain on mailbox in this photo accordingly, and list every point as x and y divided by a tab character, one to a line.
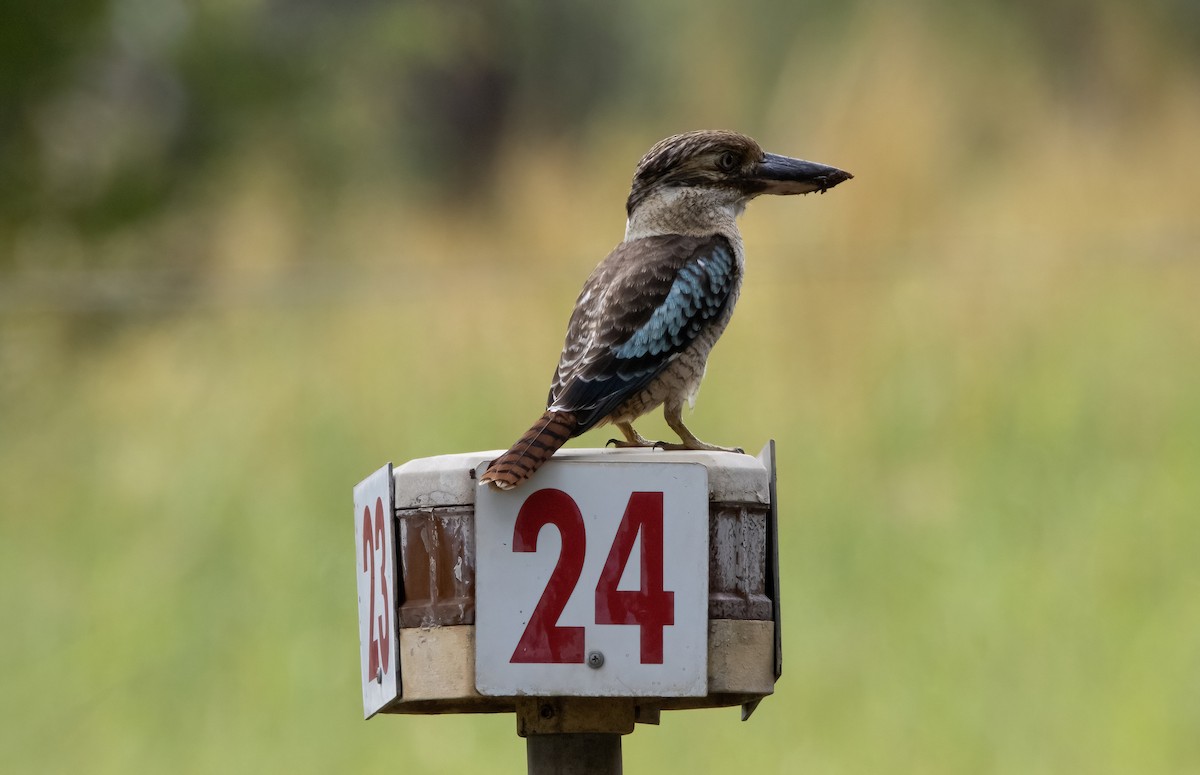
437	565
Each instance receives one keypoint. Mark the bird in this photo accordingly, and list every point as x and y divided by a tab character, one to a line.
647	317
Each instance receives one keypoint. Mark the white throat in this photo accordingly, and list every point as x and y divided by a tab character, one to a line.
679	210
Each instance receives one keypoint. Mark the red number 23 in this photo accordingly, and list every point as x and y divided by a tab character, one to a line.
373	540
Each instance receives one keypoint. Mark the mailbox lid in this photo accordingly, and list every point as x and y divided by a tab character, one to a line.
446	480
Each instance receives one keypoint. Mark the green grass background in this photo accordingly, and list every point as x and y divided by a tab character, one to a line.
980	361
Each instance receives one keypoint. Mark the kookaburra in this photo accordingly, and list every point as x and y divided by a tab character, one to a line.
651	311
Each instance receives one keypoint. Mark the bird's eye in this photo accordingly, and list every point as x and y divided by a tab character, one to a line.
727	161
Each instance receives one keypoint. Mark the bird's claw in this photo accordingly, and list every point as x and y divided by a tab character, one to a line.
673	446
620	444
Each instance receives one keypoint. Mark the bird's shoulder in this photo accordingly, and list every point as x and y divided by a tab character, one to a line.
654	262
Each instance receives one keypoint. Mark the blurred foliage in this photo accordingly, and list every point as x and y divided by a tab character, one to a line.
114	112
251	249
126	127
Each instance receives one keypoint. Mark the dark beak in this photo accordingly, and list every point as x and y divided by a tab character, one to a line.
784	175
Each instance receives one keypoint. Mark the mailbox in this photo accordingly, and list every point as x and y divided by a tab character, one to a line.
611	586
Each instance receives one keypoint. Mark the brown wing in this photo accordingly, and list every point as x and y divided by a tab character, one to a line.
641	307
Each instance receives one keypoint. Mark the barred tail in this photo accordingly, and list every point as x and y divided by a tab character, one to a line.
534	448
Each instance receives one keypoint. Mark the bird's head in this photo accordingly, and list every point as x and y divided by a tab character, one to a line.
726	168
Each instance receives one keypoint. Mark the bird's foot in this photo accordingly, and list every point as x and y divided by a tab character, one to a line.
696	446
624	444
633	439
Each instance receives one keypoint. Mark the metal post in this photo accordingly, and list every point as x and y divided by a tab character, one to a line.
574	754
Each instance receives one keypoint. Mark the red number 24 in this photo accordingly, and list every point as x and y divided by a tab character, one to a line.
650	606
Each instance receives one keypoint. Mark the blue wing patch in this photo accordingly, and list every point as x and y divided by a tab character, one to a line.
700	291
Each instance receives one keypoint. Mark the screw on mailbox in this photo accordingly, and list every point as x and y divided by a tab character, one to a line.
379	675
595	660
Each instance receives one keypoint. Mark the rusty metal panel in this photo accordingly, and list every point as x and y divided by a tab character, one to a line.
737	562
437	551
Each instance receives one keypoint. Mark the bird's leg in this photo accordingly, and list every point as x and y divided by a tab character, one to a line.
674	415
632	437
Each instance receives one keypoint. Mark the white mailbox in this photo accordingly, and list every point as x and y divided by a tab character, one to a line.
610	586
